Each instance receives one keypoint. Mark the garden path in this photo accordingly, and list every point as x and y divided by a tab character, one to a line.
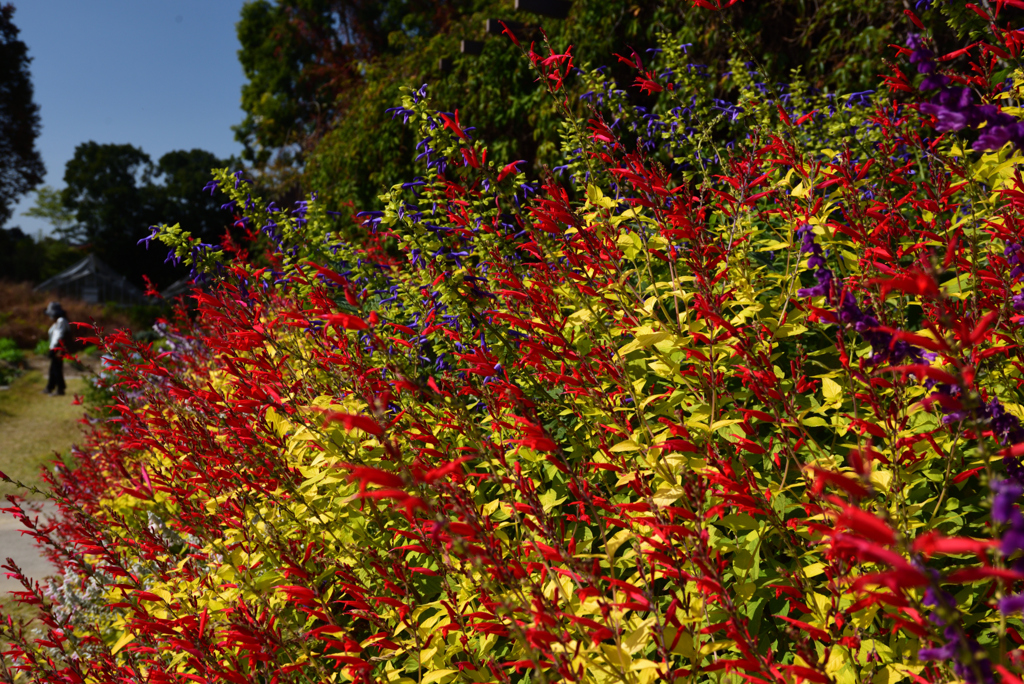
20	548
34	427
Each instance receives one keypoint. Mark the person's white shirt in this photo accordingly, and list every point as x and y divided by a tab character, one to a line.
57	331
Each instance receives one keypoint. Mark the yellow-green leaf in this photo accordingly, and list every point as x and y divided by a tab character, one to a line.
436	676
832	390
125	639
627	445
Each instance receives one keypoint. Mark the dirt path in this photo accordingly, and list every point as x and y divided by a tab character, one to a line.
35	430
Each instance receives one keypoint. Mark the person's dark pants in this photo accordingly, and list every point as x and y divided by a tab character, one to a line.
56	381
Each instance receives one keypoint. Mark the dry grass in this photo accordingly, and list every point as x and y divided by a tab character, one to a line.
37	428
23	320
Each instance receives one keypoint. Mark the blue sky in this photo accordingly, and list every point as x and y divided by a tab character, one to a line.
159	74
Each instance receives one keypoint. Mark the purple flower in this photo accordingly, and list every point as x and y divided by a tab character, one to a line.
1005	510
949	119
944	652
994	137
955	110
933	81
863	98
977	671
1005	426
1013	541
991	115
806	233
1015	255
1011	604
921	56
823	288
149	238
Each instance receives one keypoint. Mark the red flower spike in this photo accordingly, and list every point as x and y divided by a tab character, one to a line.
352	421
981	330
506	31
346	321
367	475
934	543
1009	677
924	371
865	524
977	574
454	125
920	284
913	17
848	485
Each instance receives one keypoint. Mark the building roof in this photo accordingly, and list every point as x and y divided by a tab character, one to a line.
91	280
182	286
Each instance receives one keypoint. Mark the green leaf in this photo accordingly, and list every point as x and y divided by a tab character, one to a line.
666	496
436	676
125	639
832	390
549	499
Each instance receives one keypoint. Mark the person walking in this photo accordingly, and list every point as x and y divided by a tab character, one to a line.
58	331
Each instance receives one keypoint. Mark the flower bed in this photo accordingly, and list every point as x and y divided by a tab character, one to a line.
689	410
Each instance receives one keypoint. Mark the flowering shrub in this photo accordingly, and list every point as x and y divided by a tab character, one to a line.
697	411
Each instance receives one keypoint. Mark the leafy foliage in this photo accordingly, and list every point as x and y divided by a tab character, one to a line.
347	153
703	411
116	194
50	207
21	168
9	351
299	56
11	360
24	258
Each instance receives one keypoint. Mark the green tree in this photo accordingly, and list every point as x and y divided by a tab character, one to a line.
114	194
315	110
301	58
24	258
50	207
21	168
105	187
179	198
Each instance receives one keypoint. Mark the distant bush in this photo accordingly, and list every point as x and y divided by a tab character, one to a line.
22	316
11	360
9	351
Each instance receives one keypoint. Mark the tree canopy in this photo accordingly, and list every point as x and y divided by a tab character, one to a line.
33	259
115	193
21	168
317	83
299	56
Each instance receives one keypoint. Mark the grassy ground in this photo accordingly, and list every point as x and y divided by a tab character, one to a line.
36	427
